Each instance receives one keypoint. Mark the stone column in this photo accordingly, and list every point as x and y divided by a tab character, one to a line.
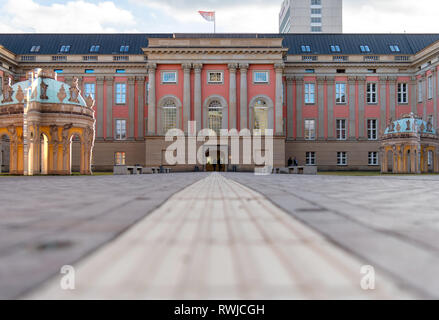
425	95
109	84
131	108
352	120
413	85
392	81
232	95
186	95
330	82
362	134
279	69
321	106
383	103
100	108
290	107
299	107
244	99
151	99
198	67
140	107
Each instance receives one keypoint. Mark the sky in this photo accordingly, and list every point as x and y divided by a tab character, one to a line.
168	16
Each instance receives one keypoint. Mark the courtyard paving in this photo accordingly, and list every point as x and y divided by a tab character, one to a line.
219	236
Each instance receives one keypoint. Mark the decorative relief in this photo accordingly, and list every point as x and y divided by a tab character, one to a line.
74	91
89	101
429	126
43	89
422	127
62	94
398	127
408	125
54	134
8	92
20	94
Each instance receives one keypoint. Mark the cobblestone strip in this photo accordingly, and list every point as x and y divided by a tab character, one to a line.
217	239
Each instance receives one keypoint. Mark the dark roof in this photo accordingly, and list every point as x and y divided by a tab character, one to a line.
319	43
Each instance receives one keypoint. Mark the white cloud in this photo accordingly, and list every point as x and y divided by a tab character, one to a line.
73	16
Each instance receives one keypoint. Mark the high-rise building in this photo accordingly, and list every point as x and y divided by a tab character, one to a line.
311	16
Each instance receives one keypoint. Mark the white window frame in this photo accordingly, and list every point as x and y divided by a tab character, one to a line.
119	158
310	158
164	74
259	81
403	93
310	133
88	92
120	129
341	131
372	132
120	93
215	82
430	87
373	158
342	158
340	93
372	93
310	93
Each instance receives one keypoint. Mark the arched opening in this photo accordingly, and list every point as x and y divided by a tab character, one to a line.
215	160
215	116
260	116
390	161
169	115
75	154
44	154
5	149
408	162
430	161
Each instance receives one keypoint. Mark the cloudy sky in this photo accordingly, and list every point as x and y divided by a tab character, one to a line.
181	15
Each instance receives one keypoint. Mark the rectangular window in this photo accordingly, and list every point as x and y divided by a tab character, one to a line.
214	77
260	77
342	158
373	158
309	93
120	70
89	70
311	158
372	129
121	93
340	93
90	90
316	29
316	2
316	20
402	93
371	93
121	129
341	129
420	91
58	70
119	158
430	87
169	77
310	129
316	11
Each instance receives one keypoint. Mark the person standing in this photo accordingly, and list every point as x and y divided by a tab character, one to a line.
290	162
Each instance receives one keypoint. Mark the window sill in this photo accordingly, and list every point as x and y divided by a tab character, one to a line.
372	103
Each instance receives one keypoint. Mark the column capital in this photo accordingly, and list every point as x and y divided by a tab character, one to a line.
131	80
186	67
151	67
279	67
330	79
198	67
232	67
352	80
109	80
100	80
382	79
140	79
392	79
321	80
290	80
243	67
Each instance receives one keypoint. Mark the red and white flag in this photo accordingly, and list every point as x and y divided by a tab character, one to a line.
208	15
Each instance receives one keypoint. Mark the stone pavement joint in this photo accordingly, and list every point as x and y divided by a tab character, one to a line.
218	239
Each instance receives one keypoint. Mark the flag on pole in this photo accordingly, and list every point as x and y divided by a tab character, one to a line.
209	16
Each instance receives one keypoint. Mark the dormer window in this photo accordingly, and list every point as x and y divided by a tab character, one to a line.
65	49
394	48
335	48
35	49
124	49
306	48
95	48
364	48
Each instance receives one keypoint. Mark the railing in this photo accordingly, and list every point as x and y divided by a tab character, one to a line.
59	58
371	58
340	58
90	58
28	58
309	58
402	58
121	58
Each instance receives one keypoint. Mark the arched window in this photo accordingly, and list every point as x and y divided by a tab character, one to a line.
261	115
215	116
169	112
